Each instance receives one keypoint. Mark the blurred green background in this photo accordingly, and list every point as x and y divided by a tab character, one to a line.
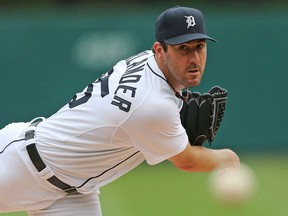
51	50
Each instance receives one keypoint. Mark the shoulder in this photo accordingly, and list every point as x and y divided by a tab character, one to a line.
159	110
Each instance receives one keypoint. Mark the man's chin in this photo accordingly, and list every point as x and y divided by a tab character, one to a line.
194	83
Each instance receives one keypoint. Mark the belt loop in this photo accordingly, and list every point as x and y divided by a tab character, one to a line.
29	134
36	121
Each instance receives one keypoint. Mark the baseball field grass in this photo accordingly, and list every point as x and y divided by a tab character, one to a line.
162	190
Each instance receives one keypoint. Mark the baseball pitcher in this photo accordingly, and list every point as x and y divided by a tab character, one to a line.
135	112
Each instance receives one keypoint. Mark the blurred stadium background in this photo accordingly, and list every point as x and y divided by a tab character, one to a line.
49	50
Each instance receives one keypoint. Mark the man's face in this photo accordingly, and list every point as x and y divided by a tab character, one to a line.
183	64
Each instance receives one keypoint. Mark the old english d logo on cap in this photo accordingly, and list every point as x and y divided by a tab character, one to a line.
190	21
180	24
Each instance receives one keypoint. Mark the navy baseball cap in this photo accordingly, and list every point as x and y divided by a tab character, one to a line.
180	24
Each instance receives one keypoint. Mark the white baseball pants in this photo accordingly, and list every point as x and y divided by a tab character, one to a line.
23	188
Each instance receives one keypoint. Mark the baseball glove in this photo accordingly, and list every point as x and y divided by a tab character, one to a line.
202	114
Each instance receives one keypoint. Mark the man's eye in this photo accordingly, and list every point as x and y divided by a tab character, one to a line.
200	46
183	48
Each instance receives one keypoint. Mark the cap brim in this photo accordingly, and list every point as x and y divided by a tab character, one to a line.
187	37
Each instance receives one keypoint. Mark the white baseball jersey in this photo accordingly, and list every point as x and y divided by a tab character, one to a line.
129	115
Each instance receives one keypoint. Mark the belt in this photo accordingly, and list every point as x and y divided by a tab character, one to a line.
38	162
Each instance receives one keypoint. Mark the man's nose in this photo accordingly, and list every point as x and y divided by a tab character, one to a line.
194	57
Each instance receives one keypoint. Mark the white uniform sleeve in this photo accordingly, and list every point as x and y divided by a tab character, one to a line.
159	134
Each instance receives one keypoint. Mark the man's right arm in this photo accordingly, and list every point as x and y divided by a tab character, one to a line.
202	159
